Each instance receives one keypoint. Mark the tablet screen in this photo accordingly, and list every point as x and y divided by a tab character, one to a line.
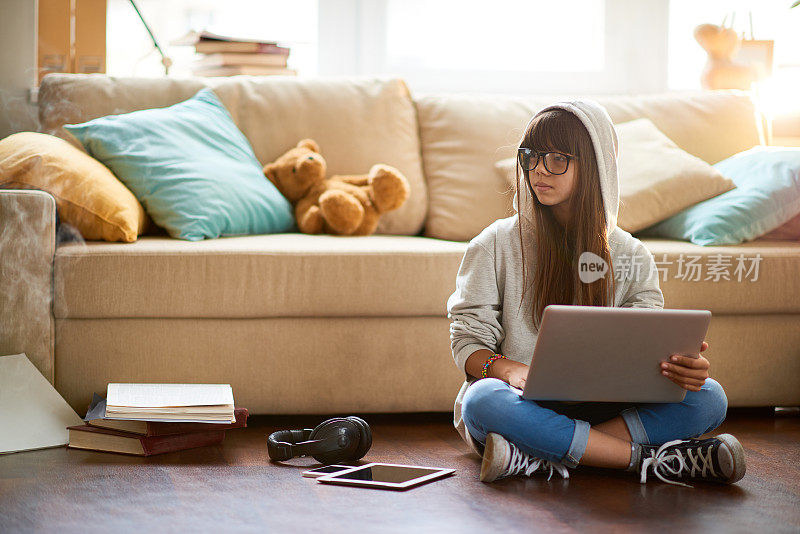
392	474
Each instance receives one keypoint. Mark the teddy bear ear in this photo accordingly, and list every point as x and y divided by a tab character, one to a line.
269	171
309	144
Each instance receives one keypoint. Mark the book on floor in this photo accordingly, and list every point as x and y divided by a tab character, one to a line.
184	403
106	440
96	416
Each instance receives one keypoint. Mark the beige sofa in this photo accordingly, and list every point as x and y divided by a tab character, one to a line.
322	324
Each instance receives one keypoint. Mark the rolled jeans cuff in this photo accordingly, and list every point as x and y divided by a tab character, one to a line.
578	446
635	426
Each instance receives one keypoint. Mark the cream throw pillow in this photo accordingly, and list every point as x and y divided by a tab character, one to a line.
88	196
656	178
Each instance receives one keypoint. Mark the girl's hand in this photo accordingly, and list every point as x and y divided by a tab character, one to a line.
514	373
688	372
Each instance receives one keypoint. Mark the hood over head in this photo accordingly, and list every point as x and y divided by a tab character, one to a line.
604	140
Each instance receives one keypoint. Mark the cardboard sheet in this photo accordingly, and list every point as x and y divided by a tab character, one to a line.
32	413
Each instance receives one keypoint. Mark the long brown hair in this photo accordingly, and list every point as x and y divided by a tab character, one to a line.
557	248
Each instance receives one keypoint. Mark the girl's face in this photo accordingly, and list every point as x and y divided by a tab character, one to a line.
553	190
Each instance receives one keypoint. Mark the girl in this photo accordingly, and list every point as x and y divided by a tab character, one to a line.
514	268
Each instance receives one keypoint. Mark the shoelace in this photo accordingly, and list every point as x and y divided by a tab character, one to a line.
521	462
663	460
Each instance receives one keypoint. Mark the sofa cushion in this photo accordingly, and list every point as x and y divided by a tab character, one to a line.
356	121
694	277
278	275
463	136
296	275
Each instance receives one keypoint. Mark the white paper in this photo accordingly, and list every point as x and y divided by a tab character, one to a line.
151	419
32	413
168	395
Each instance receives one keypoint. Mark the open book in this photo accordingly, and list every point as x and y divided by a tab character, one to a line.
190	403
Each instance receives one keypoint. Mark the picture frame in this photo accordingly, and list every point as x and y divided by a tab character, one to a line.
758	53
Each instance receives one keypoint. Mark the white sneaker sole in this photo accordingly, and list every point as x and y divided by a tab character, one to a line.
738	465
495	457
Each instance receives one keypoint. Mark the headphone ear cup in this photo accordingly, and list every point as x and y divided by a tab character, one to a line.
332	428
365	441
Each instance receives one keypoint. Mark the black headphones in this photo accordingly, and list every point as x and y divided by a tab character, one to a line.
341	439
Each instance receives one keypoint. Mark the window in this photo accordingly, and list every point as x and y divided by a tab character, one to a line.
502	46
502	35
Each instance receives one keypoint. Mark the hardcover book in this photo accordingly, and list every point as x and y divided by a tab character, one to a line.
105	440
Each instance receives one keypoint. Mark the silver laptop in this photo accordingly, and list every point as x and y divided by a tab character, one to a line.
609	354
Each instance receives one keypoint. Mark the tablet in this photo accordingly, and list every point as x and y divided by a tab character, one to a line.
325	470
386	476
610	354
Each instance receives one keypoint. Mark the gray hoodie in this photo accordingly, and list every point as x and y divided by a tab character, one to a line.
485	307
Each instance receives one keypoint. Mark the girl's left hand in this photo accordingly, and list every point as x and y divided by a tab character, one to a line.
688	372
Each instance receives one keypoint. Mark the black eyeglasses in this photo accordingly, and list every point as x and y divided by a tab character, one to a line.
554	162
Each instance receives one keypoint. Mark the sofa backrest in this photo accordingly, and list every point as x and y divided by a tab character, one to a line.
463	136
446	144
356	121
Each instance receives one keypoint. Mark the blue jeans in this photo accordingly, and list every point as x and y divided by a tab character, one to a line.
558	432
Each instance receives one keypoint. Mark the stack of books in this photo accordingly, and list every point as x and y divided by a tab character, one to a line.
228	56
148	419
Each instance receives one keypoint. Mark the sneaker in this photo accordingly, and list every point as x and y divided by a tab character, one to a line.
502	458
717	459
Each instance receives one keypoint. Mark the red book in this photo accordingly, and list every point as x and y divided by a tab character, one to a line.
102	439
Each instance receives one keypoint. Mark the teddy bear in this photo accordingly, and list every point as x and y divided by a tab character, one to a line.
340	205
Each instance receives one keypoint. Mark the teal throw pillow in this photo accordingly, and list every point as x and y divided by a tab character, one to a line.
766	196
192	169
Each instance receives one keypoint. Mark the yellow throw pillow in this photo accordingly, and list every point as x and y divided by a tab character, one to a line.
88	196
656	178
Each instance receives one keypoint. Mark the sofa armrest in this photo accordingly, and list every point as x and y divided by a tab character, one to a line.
27	249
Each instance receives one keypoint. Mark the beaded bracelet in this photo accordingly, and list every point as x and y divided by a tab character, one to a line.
486	365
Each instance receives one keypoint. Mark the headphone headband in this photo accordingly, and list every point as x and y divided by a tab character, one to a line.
332	441
280	444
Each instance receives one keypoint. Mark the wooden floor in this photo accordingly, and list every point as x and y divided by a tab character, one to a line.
233	487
